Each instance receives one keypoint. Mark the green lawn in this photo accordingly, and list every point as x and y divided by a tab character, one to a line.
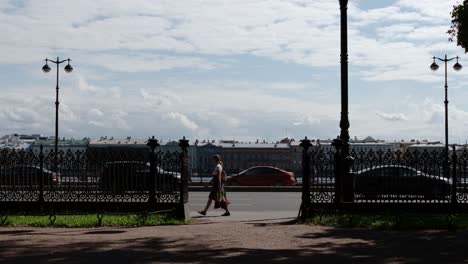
91	220
393	222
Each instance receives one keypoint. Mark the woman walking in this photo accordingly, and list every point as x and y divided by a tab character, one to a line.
217	194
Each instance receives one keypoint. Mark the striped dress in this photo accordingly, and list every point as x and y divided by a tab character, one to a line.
217	194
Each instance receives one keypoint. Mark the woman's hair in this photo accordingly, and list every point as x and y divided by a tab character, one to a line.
218	159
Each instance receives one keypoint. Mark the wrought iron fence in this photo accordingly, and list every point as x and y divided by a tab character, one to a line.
89	177
392	177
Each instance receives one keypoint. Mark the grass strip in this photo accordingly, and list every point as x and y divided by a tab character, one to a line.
393	222
91	220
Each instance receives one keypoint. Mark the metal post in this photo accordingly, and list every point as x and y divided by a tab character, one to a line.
456	67
446	163
344	159
306	203
184	144
46	68
56	118
184	210
152	144
344	122
338	144
454	175
41	175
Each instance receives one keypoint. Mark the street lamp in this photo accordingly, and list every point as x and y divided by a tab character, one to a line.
46	69
343	160
457	67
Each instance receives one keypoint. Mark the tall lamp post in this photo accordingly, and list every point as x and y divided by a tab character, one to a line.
46	69
343	160
457	67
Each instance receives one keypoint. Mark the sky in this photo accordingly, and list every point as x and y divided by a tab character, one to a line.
229	69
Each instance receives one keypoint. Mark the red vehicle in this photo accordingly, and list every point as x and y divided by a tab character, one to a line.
262	176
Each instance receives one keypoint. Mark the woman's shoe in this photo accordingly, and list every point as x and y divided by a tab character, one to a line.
202	212
226	214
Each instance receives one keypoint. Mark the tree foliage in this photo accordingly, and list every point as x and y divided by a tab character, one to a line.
459	29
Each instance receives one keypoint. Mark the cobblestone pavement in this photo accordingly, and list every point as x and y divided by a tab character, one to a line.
239	239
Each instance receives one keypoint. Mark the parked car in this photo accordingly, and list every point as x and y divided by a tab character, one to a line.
120	176
27	176
262	176
402	181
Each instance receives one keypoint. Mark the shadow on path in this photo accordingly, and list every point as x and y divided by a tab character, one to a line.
327	245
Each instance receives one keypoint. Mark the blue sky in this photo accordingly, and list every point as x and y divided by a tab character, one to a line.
243	69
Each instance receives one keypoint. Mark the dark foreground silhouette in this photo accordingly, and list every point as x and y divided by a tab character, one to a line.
241	242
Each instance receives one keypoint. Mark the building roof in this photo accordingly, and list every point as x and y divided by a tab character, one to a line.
208	145
62	142
255	146
104	141
369	139
427	145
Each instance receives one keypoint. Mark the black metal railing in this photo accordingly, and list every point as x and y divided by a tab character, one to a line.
392	177
90	177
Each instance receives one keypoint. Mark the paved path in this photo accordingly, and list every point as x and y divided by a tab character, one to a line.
214	216
230	242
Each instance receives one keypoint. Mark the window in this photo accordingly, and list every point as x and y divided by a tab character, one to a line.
252	172
267	171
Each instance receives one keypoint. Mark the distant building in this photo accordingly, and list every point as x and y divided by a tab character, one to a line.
105	142
136	148
128	146
64	145
357	145
16	141
296	157
240	156
173	146
204	160
426	146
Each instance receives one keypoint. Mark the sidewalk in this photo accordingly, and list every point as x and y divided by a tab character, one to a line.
242	238
214	216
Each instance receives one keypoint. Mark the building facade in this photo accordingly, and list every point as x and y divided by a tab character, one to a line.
241	156
64	145
19	142
205	151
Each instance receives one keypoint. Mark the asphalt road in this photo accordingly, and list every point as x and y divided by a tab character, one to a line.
252	201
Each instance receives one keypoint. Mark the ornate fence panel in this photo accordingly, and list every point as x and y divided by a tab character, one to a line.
461	166
396	177
393	177
121	178
18	177
322	181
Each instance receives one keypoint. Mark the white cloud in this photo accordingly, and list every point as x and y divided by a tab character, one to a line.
392	116
66	113
436	10
183	120
96	123
95	112
307	121
85	86
119	121
148	62
261	28
170	67
21	115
